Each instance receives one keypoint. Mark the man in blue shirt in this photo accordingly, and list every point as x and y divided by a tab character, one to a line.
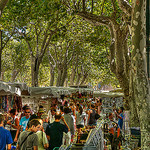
5	136
23	122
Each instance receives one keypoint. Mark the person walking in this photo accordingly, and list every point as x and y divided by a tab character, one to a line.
5	136
70	121
80	119
91	116
28	140
13	122
54	131
23	123
43	142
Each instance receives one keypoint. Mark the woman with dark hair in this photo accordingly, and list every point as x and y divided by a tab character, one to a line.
91	116
13	122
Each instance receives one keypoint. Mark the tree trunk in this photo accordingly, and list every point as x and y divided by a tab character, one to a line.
134	120
119	59
84	78
66	82
2	76
52	76
141	87
59	77
1	47
78	78
72	75
2	5
14	75
64	75
74	67
35	64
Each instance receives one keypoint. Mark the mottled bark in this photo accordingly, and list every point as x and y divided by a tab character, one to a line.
83	79
59	75
52	76
14	75
2	76
64	75
35	64
73	72
134	120
141	87
52	67
66	82
121	62
78	78
1	47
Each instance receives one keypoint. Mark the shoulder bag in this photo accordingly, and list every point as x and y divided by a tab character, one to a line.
26	138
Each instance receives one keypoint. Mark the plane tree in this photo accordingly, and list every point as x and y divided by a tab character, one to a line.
36	22
127	63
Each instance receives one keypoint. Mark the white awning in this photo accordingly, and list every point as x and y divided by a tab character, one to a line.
107	94
6	89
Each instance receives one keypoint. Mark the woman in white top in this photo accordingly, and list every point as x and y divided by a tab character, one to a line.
80	119
13	122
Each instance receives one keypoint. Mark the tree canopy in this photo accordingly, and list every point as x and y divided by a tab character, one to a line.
49	36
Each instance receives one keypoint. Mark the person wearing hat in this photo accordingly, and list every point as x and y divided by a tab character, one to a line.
38	115
40	112
44	118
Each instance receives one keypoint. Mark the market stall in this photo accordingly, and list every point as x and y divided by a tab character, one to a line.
83	93
113	100
10	97
46	96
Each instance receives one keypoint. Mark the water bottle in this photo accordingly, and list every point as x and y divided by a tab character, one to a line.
13	146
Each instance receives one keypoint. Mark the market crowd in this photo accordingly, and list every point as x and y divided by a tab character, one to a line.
61	125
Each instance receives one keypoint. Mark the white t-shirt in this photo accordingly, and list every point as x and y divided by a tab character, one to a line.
80	118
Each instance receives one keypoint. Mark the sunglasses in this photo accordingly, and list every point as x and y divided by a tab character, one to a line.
27	112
